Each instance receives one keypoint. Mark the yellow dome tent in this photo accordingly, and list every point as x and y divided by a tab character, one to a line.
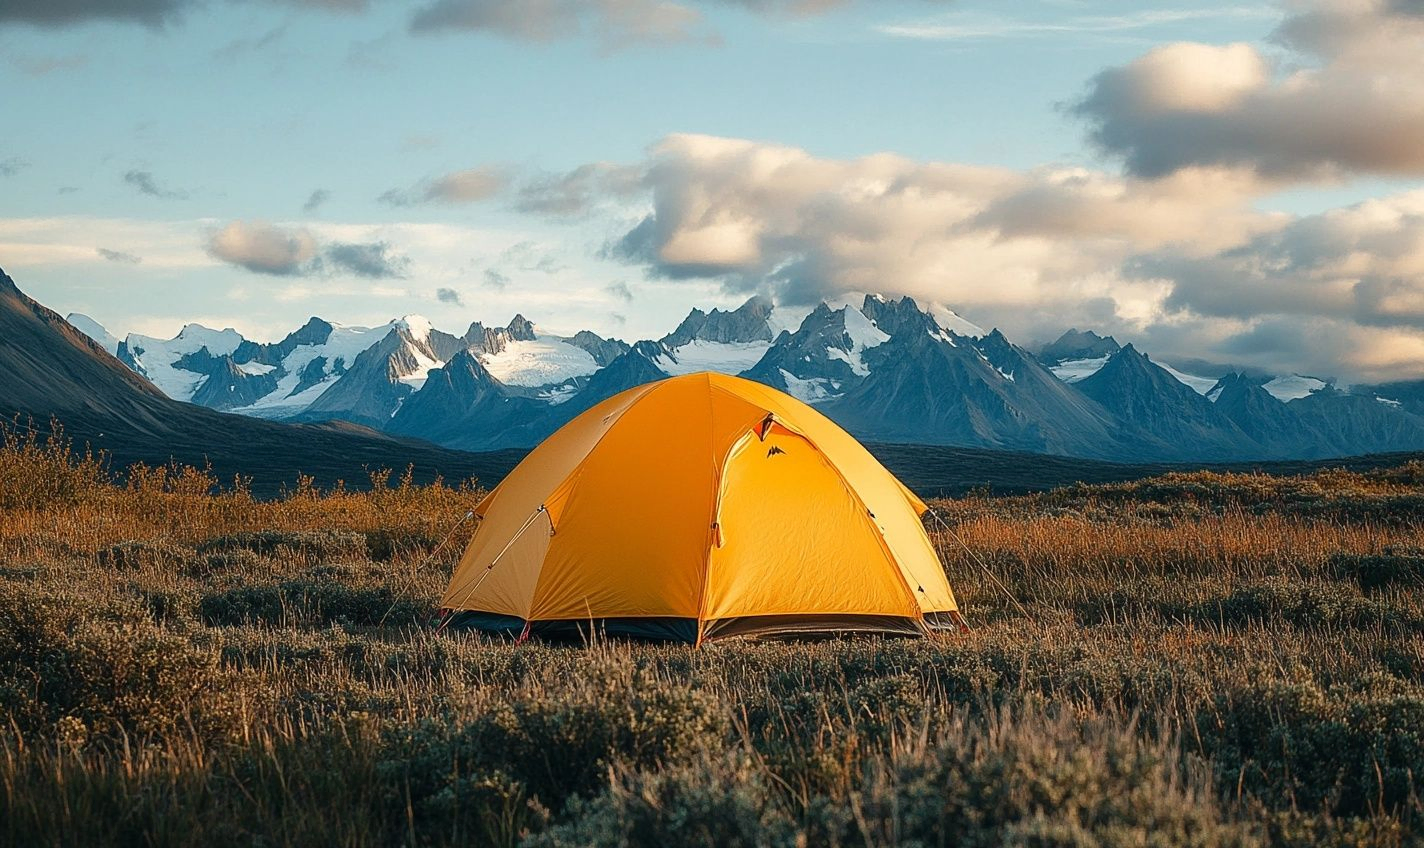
696	508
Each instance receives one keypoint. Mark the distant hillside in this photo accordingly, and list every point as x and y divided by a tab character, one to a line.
48	369
933	471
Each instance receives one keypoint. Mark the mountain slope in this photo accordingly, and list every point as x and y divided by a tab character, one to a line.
1352	423
929	386
823	358
463	405
1160	417
51	370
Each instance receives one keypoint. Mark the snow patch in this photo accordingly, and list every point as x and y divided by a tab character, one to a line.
1074	370
256	368
423	366
94	330
1388	401
418	326
945	336
814	390
862	333
954	322
542	362
1200	385
851	358
721	357
558	394
1288	387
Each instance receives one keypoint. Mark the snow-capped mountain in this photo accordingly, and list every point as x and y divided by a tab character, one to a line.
325	370
94	330
49	370
161	360
889	370
824	357
729	342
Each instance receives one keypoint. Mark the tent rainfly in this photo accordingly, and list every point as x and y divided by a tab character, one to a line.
696	508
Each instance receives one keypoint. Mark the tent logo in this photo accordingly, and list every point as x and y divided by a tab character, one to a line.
774	450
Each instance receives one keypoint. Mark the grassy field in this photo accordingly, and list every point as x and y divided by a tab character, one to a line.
1204	660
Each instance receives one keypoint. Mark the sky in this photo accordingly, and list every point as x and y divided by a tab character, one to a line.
1234	183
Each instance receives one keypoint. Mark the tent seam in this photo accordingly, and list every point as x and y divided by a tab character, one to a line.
572	479
884	543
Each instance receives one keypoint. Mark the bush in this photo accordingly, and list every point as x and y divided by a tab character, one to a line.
1271	601
123	675
143	554
1033	779
702	805
311	602
385	544
45	473
1304	605
556	743
239	561
1376	571
1348	750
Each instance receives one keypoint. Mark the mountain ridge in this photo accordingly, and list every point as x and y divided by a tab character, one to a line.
888	369
52	371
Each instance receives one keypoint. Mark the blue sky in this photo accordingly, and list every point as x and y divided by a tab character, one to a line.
225	161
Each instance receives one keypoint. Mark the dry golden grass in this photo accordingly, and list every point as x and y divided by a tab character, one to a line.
1201	660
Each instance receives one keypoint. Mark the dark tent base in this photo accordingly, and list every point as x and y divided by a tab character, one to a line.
581	631
577	631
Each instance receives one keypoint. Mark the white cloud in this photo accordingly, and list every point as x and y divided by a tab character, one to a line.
1347	99
280	251
264	248
1184	264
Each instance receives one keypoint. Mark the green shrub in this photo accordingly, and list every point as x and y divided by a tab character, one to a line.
1376	571
117	675
1348	750
311	602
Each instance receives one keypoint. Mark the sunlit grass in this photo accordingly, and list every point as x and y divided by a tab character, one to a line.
1204	659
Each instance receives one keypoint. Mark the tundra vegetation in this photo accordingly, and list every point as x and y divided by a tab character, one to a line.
1200	659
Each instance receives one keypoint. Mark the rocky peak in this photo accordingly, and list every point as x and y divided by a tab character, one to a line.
521	329
314	332
1076	344
896	316
602	350
749	322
